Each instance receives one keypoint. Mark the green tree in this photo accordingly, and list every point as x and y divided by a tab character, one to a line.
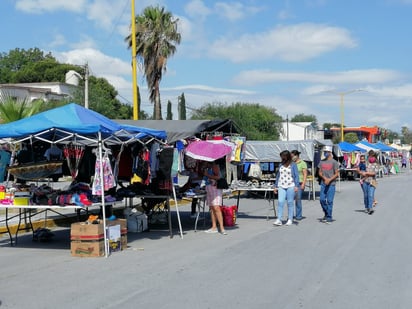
328	125
406	135
12	109
143	115
32	65
257	122
305	118
169	115
103	99
351	138
182	106
156	40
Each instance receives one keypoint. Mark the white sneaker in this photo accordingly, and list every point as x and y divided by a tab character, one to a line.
289	222
277	222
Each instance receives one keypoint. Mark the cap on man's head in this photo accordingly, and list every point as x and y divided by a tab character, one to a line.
327	148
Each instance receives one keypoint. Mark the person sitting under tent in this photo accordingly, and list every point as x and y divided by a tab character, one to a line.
54	153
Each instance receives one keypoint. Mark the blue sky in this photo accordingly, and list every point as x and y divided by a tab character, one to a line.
295	56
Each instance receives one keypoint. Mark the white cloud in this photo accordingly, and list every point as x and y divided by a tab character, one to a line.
401	91
284	14
104	12
256	77
196	9
205	88
234	11
101	65
41	6
231	11
289	43
85	42
185	27
57	40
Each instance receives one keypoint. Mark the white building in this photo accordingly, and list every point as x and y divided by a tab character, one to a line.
298	131
44	91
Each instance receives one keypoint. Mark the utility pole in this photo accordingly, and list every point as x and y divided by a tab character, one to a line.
342	108
86	85
134	70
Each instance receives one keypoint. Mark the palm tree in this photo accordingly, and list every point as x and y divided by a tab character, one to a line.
156	40
12	109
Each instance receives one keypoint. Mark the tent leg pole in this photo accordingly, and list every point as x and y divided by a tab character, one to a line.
106	242
177	210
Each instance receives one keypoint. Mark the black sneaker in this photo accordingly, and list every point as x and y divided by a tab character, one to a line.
371	211
323	219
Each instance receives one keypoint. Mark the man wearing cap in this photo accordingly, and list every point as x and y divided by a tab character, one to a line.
328	170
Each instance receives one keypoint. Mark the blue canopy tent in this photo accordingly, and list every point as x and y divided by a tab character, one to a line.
348	147
385	148
367	146
73	123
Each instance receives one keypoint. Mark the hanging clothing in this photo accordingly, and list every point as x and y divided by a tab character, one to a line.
108	177
165	163
154	161
4	162
141	166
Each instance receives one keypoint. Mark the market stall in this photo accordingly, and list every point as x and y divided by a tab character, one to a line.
350	160
269	152
72	124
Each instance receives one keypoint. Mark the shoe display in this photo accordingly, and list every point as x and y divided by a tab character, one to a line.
289	222
277	222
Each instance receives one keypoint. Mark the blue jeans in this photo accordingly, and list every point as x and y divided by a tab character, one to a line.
286	195
368	195
298	203
327	193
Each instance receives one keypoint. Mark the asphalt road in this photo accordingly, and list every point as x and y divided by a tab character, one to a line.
359	261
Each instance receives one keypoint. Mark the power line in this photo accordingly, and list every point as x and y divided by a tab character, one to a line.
118	19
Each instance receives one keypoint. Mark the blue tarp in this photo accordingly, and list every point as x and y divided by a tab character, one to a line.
348	147
74	118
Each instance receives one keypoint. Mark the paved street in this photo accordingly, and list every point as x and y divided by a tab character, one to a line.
359	261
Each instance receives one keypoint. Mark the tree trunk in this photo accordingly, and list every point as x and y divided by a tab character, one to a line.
157	104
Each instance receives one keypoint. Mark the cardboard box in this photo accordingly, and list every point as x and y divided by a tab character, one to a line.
86	231
121	222
87	248
87	240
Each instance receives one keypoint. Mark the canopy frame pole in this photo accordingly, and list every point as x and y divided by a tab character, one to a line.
100	150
